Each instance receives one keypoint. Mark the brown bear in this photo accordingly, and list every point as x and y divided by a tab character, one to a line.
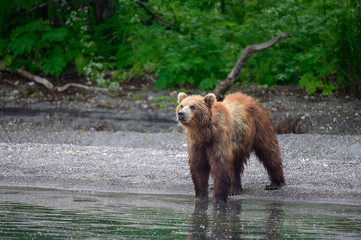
221	136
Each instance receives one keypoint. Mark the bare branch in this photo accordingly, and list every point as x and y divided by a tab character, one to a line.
36	7
161	20
43	81
21	71
223	86
81	86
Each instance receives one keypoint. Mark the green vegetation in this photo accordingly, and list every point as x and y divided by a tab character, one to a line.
163	101
79	96
186	43
137	96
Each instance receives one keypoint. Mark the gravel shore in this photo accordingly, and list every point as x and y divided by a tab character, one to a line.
324	168
131	142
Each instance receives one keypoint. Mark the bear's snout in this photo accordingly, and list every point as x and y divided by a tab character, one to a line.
182	116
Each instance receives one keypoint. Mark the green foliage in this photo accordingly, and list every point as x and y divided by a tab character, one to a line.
137	97
310	55
79	96
35	45
192	63
35	94
200	55
163	101
202	5
322	53
346	32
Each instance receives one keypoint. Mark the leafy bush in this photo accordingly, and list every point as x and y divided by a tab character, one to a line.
199	62
346	32
37	42
198	46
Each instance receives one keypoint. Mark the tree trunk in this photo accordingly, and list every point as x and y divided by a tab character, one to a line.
103	9
360	8
223	6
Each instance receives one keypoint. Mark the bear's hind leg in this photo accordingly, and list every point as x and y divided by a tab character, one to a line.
236	188
270	157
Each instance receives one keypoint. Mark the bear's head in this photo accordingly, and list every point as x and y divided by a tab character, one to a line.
195	110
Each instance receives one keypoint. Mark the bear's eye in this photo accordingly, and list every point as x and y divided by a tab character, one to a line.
181	106
192	107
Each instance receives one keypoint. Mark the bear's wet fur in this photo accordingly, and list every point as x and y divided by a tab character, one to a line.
221	137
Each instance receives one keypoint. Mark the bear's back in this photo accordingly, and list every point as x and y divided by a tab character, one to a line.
238	105
248	116
244	107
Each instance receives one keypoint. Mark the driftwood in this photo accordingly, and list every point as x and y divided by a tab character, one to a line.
46	83
223	86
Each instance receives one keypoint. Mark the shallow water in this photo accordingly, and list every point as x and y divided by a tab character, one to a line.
30	213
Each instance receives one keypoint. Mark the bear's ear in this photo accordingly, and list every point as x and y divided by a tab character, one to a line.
209	99
181	96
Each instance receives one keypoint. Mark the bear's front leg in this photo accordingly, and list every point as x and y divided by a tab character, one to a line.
222	176
200	176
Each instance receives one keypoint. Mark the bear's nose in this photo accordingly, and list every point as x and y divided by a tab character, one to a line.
181	116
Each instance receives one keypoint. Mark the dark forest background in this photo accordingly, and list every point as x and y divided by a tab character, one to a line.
185	43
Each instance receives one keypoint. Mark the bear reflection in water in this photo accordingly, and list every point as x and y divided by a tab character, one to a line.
221	137
225	221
